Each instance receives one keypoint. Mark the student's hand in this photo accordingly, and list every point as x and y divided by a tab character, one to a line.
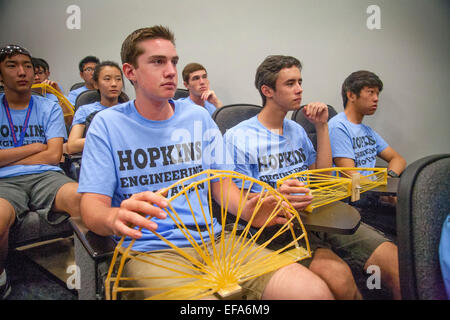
53	84
265	210
316	113
291	189
133	212
211	97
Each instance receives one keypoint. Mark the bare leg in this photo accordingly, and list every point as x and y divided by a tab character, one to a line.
68	199
385	257
7	217
336	274
296	282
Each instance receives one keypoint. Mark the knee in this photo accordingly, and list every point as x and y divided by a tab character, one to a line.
338	276
7	216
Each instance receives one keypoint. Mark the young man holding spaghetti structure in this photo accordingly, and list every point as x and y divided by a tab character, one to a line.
133	139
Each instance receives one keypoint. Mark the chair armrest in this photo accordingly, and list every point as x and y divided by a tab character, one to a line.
98	247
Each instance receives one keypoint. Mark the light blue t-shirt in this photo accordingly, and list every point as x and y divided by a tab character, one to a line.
72	97
355	141
444	254
208	106
46	122
268	156
85	110
126	153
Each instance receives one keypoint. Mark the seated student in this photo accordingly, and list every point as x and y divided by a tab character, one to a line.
30	178
444	254
109	206
87	67
355	144
41	75
268	147
108	80
195	79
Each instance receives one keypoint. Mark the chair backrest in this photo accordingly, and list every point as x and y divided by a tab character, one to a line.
87	97
76	86
91	96
423	204
228	116
181	93
310	129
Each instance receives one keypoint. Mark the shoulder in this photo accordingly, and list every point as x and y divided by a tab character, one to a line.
294	126
337	120
45	104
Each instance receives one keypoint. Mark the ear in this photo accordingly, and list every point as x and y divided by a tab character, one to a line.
267	91
129	71
351	96
186	84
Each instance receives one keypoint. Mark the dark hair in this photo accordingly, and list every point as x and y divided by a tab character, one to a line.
100	66
11	50
87	59
103	64
130	49
189	68
40	63
268	70
357	81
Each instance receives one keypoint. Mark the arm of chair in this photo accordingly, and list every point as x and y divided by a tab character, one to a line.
92	256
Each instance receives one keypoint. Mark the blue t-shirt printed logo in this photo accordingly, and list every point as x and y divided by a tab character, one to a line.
365	150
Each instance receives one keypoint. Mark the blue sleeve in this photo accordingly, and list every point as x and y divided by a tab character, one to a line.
55	127
381	143
79	117
243	162
444	254
341	144
98	173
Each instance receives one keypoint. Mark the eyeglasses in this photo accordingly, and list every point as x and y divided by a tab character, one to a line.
89	69
13	49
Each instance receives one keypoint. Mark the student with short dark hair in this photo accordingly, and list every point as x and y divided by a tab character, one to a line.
86	67
195	79
355	144
109	206
31	140
269	147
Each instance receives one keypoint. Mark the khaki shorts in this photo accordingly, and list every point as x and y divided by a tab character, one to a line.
251	289
34	192
356	248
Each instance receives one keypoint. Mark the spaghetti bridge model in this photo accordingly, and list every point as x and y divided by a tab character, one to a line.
67	107
333	184
242	252
218	267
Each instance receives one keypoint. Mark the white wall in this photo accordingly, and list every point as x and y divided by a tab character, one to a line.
230	38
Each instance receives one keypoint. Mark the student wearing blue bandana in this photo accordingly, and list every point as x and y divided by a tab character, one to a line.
32	132
195	79
139	147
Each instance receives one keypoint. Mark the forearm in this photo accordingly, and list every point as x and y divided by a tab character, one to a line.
50	157
323	157
75	145
397	164
10	156
96	215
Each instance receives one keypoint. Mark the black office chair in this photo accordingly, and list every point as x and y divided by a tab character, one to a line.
423	204
310	129
76	85
228	116
181	93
